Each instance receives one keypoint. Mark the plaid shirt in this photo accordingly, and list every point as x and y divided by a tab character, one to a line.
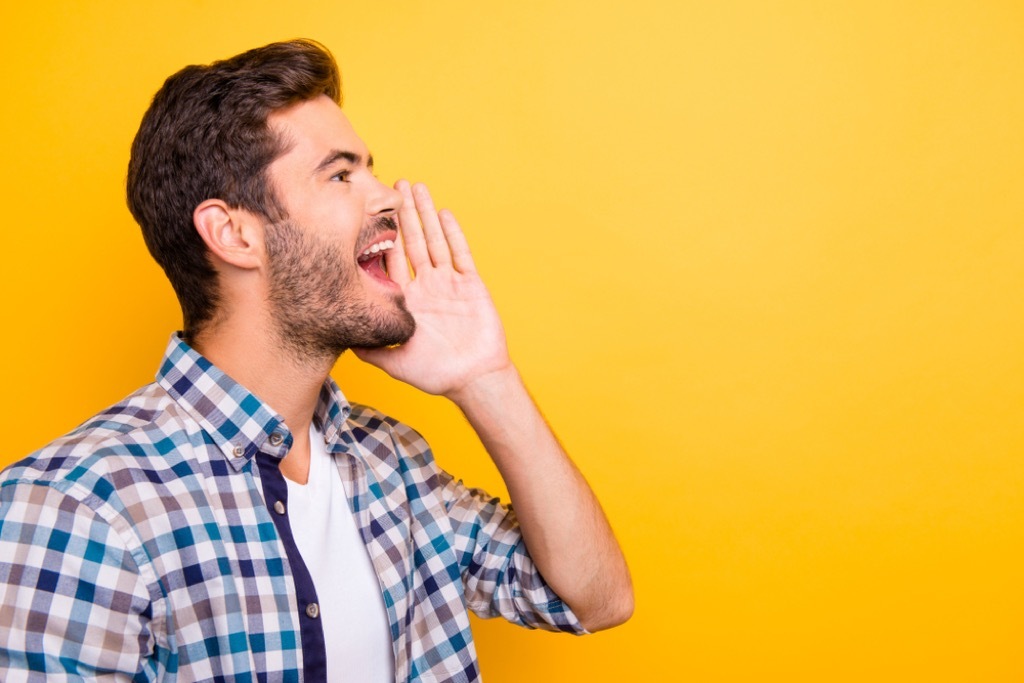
152	543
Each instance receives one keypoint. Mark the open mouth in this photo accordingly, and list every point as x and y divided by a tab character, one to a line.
372	259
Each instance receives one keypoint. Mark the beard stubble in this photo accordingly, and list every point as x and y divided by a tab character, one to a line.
318	305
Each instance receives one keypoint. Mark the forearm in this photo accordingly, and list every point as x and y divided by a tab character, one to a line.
564	528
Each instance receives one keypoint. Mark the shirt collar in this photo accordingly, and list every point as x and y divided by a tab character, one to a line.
332	411
238	421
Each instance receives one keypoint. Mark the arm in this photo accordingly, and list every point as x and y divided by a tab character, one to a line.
499	577
74	604
459	351
565	530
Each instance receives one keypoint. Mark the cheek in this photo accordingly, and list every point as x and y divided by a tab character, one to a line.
340	223
327	273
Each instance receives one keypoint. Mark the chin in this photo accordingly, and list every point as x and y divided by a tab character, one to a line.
376	330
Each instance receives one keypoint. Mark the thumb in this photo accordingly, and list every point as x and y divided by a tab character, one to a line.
371	356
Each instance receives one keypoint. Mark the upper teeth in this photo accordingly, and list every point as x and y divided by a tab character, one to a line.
378	247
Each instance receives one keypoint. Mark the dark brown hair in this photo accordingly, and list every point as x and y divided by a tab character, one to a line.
205	136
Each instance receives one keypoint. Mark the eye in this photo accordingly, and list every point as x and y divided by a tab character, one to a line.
341	176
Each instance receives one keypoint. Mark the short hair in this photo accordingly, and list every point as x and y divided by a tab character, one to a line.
205	136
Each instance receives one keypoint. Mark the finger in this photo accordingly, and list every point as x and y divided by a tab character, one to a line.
437	245
457	244
412	232
397	264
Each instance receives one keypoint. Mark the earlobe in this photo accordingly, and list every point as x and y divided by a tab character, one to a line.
230	234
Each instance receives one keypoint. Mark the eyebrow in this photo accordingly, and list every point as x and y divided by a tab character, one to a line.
340	155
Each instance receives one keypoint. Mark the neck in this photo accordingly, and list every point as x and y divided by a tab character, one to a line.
290	385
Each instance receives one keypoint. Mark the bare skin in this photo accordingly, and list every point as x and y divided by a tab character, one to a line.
458	350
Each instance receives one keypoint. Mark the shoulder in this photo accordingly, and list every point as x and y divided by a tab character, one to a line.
398	455
369	422
115	444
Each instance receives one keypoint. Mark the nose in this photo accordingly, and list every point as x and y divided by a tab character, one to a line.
383	199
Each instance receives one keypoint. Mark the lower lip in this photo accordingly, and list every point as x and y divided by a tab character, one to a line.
376	272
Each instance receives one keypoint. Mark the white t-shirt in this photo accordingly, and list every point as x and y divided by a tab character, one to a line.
352	611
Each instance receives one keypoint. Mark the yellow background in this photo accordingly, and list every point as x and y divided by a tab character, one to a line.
761	262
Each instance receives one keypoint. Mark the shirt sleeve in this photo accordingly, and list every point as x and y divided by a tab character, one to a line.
73	605
499	577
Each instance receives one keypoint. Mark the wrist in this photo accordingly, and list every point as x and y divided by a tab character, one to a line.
489	388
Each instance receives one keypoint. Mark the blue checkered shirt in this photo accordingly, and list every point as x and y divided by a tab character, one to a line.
152	543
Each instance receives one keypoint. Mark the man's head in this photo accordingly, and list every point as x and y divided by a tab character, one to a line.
206	135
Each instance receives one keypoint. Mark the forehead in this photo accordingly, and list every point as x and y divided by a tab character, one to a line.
312	129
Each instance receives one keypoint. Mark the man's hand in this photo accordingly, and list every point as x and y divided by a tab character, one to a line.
459	339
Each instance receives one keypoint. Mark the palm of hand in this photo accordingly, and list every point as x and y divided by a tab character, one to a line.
459	337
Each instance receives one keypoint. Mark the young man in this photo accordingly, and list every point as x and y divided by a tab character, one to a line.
238	519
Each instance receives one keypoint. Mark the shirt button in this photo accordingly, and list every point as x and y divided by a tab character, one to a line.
239	451
327	440
312	610
279	507
276	439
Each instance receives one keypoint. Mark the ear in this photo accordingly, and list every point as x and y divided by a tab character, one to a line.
234	236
